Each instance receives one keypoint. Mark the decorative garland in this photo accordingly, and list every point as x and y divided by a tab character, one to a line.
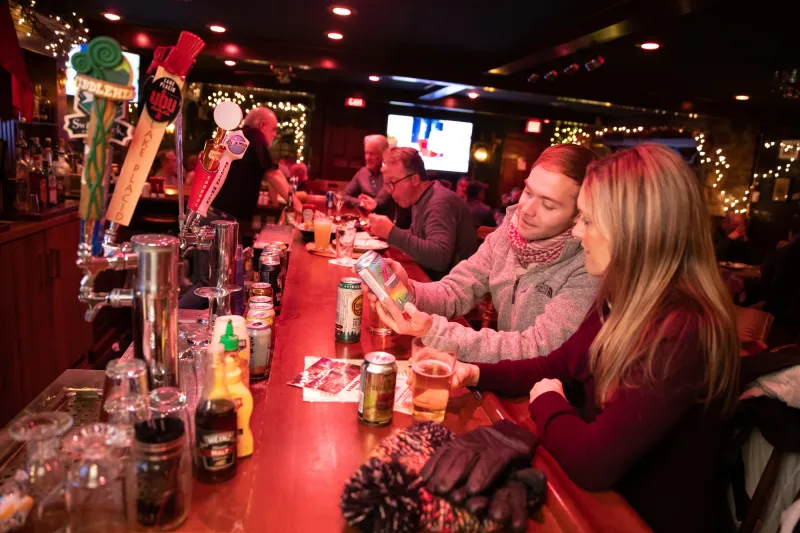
62	33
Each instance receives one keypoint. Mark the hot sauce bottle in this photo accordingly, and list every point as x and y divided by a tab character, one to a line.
215	419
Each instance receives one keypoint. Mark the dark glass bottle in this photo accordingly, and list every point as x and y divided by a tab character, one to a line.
215	426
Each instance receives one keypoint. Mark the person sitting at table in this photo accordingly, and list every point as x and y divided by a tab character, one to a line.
657	358
441	233
366	188
461	188
731	241
531	265
481	213
166	167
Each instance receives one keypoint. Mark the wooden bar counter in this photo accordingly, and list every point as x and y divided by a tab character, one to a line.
304	452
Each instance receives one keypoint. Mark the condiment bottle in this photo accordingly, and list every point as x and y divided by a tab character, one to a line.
243	400
215	424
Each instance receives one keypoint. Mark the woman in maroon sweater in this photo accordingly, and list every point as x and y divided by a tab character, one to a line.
657	360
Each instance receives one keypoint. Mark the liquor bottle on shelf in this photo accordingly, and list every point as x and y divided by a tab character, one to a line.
37	178
50	172
62	170
37	102
22	184
215	423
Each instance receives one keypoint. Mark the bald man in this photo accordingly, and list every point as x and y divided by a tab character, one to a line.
239	196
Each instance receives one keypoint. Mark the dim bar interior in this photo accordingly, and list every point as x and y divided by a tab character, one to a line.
292	267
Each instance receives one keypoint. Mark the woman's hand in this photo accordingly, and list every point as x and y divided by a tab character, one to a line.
417	325
547	385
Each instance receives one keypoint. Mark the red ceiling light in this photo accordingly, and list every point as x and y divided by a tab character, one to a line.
341	11
534	125
650	46
335	35
473	95
374	78
355	101
230	62
113	17
216	28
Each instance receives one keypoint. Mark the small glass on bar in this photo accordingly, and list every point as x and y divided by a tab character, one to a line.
376	325
433	361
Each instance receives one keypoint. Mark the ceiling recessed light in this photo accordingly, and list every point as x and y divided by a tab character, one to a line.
742	97
216	28
341	11
335	35
650	46
113	17
374	78
230	62
473	95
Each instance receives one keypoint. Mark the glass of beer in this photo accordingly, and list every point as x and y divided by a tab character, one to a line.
322	232
433	361
376	325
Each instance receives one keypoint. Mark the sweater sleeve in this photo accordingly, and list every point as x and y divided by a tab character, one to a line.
462	289
435	251
595	455
352	191
561	318
516	378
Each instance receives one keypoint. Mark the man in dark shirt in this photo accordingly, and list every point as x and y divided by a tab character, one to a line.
366	187
239	195
441	233
481	213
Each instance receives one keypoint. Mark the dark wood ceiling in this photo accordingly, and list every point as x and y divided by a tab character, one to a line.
711	50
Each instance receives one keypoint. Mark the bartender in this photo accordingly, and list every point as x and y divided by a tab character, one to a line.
239	195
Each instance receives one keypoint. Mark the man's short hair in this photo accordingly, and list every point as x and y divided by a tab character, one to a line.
408	158
474	189
259	115
378	140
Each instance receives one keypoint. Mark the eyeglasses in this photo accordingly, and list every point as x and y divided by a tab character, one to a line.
390	185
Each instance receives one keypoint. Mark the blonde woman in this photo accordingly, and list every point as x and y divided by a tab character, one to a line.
657	358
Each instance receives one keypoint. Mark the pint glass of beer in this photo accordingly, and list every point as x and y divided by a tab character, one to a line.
433	360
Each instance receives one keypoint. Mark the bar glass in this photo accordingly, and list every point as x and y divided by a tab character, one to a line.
126	403
322	232
433	361
376	325
345	240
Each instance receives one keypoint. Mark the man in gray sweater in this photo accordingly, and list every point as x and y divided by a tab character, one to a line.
441	233
531	265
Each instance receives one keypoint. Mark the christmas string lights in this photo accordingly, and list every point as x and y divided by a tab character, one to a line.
61	32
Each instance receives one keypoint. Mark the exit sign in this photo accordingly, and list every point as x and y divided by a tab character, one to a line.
355	101
534	125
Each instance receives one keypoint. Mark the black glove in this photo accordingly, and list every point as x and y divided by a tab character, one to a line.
479	458
516	500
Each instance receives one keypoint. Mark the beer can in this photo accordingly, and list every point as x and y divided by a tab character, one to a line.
261	300
329	200
260	333
261	315
270	272
261	289
349	307
378	380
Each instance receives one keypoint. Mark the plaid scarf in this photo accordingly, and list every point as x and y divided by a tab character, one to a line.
544	251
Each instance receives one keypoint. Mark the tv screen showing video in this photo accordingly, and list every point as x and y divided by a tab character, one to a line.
443	144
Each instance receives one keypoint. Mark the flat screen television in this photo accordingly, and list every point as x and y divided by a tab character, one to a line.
71	73
443	144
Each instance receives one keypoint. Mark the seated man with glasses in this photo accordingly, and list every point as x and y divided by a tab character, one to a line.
441	233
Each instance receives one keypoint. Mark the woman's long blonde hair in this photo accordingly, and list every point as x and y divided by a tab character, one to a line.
647	202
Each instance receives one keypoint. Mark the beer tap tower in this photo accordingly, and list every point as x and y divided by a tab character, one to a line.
104	72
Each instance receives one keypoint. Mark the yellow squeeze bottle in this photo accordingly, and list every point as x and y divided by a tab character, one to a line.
243	400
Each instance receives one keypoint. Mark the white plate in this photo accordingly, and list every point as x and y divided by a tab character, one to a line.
364	242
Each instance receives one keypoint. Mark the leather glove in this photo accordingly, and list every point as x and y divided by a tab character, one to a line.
511	504
479	457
